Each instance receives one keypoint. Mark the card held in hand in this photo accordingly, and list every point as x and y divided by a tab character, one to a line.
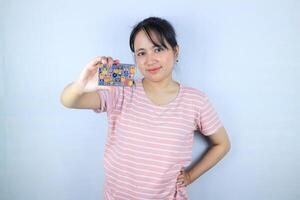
116	75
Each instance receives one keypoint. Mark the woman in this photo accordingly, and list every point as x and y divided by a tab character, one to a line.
151	125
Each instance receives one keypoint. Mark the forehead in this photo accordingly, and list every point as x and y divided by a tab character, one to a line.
142	40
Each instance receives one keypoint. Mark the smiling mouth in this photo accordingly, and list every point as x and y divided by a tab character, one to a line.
153	70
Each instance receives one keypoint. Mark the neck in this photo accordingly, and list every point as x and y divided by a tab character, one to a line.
160	86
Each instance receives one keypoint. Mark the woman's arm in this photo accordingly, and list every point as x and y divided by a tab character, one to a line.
82	93
220	145
73	97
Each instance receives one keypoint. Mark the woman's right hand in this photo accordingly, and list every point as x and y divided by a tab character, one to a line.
88	79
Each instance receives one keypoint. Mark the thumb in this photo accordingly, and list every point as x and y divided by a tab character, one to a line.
182	170
100	87
117	61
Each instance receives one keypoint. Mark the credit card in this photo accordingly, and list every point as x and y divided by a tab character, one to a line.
116	74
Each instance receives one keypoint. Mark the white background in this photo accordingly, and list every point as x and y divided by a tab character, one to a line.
243	54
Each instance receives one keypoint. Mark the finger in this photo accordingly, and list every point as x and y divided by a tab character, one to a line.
181	183
93	64
110	61
92	68
180	176
117	61
104	60
180	180
95	61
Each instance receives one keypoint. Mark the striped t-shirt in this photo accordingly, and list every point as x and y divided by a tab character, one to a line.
147	144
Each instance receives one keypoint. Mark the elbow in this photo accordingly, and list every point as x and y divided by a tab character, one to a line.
226	144
64	102
226	147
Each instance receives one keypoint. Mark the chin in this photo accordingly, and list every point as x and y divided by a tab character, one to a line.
162	75
155	78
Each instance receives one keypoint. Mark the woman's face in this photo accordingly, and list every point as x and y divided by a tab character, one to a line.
155	63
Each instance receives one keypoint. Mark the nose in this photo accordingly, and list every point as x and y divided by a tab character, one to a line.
151	58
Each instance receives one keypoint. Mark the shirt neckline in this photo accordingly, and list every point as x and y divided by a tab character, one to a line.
140	84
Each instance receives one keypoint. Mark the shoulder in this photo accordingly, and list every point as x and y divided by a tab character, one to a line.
191	93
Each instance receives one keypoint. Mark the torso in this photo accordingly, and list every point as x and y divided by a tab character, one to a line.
150	139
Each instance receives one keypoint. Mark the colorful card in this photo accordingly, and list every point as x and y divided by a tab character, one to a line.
116	75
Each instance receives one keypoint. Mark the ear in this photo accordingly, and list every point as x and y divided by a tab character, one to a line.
176	51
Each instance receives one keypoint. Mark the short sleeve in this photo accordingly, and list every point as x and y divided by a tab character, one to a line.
108	99
208	121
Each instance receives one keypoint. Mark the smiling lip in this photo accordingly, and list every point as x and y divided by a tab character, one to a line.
154	70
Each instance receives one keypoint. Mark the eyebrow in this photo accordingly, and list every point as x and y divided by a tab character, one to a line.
140	49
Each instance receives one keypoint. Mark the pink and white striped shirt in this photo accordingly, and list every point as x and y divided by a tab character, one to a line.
147	145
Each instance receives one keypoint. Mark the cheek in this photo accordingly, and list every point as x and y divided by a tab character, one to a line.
140	66
167	57
169	61
140	62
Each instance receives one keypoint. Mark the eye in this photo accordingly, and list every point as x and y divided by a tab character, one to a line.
158	49
140	53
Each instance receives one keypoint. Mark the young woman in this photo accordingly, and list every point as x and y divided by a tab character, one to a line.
151	125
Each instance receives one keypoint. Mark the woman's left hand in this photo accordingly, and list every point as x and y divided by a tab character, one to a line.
184	178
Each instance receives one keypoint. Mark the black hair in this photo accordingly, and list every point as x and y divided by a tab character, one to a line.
158	26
